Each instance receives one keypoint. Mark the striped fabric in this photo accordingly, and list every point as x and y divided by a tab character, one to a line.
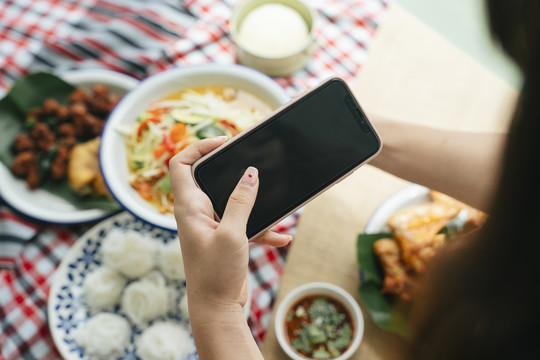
13	236
139	38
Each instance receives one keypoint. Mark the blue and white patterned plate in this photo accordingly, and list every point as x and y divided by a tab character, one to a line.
66	311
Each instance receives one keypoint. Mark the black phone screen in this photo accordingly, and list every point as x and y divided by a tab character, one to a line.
299	152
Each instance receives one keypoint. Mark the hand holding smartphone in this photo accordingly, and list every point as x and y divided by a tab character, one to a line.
300	150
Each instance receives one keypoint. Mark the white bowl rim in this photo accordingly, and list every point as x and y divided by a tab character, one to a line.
311	288
118	190
100	75
394	202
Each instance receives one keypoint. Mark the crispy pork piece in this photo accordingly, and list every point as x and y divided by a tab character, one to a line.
60	162
396	280
25	165
415	229
22	143
475	217
43	137
84	174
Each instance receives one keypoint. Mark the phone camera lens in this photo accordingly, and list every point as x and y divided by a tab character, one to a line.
364	126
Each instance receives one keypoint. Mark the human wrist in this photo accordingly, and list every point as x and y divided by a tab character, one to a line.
204	309
221	331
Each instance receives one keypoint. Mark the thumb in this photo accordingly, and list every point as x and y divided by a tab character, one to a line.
241	200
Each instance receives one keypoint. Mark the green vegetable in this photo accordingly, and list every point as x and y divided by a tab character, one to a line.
302	343
210	131
321	353
319	302
166	184
136	164
143	116
344	337
187	118
332	349
331	331
315	334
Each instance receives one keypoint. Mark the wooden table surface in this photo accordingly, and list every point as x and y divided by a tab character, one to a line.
414	75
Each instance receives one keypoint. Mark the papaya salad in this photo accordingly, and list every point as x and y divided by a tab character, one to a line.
171	124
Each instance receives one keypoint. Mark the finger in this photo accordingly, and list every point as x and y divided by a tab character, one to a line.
180	164
197	150
241	201
272	238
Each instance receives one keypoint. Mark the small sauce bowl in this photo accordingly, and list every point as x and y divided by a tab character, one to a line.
284	64
322	289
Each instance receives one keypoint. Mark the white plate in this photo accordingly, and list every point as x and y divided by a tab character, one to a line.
43	205
408	196
113	149
66	310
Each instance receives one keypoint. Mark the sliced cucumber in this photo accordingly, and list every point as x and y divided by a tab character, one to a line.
136	164
143	116
210	131
165	185
186	118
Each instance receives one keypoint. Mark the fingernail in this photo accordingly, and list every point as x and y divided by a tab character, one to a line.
222	138
250	176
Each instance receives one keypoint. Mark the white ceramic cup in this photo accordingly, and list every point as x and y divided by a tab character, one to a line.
275	66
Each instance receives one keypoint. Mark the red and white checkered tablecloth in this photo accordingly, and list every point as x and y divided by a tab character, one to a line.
139	38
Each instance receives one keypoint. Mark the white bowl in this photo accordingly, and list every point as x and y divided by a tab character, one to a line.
113	149
281	65
319	288
40	204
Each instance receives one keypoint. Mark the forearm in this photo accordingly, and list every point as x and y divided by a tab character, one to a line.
460	164
221	332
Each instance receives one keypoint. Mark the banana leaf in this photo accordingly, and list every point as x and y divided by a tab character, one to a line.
382	308
28	92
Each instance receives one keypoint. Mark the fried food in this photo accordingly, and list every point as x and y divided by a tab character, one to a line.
397	280
59	165
475	217
43	136
23	143
84	174
416	228
52	130
417	238
25	165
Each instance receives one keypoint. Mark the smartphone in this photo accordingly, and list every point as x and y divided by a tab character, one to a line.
300	150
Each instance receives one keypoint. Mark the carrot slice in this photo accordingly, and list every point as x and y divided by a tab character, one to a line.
145	190
158	152
178	132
